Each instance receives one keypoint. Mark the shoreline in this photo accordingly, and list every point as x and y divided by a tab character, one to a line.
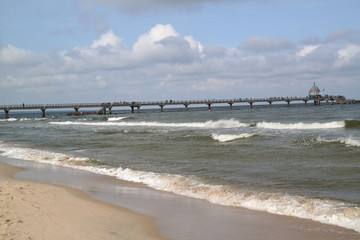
177	217
32	210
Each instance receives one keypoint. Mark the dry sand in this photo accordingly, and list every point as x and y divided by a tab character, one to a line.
31	210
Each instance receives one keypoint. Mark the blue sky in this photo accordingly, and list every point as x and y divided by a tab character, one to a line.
114	50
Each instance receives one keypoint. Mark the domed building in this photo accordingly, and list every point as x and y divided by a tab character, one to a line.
315	92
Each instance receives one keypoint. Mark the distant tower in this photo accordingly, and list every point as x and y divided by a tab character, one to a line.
314	92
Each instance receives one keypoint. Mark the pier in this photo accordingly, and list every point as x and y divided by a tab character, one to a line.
106	107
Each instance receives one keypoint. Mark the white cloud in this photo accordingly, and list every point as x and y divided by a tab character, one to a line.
349	56
163	43
13	55
195	45
149	42
162	64
306	50
349	52
107	39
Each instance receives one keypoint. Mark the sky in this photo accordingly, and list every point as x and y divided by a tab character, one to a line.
82	51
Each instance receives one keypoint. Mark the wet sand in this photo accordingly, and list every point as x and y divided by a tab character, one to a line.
30	210
182	218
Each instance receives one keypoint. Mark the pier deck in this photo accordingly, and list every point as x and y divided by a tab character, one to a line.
106	107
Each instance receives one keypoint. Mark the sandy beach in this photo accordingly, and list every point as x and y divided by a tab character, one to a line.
31	210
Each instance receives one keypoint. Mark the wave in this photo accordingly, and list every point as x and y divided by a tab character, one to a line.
8	120
37	155
22	119
322	210
347	141
300	125
114	119
230	137
208	124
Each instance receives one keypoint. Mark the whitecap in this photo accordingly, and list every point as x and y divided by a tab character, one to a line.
351	142
230	137
208	124
114	119
300	125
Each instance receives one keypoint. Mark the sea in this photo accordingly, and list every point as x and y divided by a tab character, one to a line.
298	160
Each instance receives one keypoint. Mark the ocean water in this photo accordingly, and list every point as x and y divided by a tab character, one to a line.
301	161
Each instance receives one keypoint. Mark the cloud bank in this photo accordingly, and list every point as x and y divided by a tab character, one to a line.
163	64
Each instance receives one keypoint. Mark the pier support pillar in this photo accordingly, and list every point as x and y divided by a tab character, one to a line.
230	106
43	112
110	110
209	106
317	102
138	109
104	110
132	109
6	113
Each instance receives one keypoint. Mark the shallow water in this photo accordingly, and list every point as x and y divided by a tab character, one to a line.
301	161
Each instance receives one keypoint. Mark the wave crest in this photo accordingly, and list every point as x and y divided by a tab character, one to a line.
230	137
347	141
208	124
300	125
37	155
114	119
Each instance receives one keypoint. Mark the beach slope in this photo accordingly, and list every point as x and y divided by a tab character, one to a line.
31	210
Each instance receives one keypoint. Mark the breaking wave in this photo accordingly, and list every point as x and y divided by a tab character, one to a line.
230	137
114	119
208	124
321	210
8	120
300	125
37	155
22	119
347	141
